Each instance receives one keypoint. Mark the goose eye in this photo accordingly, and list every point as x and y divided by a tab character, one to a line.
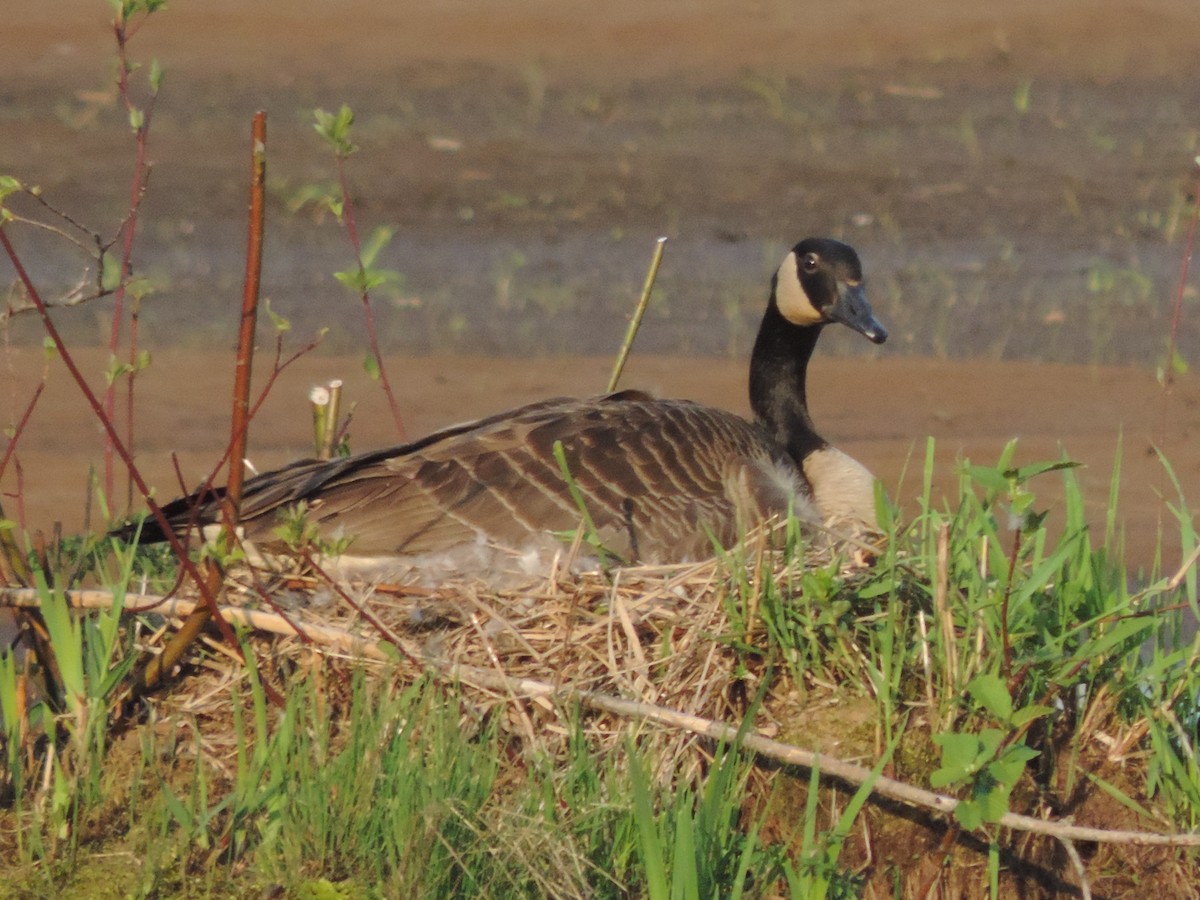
810	262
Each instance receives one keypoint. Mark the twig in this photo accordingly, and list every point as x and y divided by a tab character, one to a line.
1181	573
827	765
250	291
140	119
636	322
1077	862
269	623
945	618
231	504
20	428
789	754
351	225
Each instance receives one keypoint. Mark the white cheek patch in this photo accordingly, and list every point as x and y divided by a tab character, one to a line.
793	302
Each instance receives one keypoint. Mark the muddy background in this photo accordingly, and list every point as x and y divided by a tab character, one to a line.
1015	175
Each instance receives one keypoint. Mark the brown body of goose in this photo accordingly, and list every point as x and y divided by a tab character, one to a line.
661	480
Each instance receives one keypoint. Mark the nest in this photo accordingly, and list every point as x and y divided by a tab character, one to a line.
685	638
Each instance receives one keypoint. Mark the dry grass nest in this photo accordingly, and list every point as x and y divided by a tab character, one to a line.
685	637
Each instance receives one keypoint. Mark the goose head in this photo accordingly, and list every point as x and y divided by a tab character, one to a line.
821	281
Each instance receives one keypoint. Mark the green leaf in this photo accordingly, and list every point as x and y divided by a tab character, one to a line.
1120	796
945	776
989	478
1178	364
116	369
137	118
992	804
335	128
959	751
139	287
1008	768
1021	95
278	322
390	651
155	75
649	841
110	272
1024	473
1029	713
878	589
379	239
9	185
991	693
1020	500
371	366
969	815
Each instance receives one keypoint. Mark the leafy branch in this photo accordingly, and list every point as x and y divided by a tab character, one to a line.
365	276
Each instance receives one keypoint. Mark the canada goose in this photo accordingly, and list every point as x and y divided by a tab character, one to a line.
660	479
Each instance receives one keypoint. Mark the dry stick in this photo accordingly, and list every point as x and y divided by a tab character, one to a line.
270	623
826	765
1085	889
636	321
849	773
333	412
945	619
231	504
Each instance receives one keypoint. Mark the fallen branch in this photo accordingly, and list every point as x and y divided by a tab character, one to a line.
848	773
270	623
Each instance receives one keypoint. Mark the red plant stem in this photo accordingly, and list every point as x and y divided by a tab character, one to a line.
110	430
368	313
250	292
239	428
12	441
136	192
129	390
380	629
20	495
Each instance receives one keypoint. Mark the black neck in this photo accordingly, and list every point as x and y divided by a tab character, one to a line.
778	374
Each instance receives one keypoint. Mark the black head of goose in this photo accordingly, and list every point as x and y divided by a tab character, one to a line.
661	480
